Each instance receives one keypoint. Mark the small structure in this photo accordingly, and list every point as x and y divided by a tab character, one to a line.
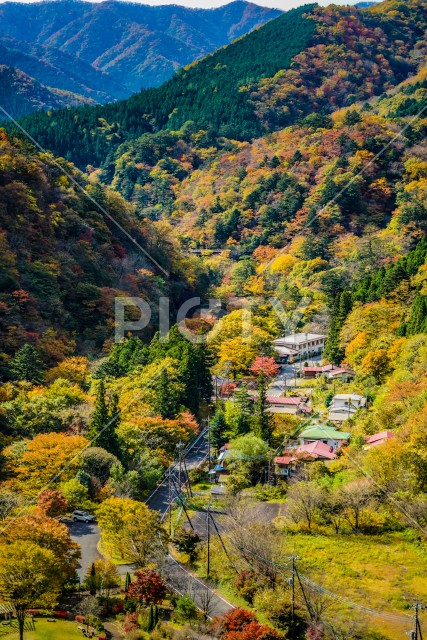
345	405
284	465
378	438
341	373
322	433
294	405
315	372
330	371
219	472
298	345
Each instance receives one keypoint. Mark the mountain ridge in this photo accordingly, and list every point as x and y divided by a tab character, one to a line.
135	45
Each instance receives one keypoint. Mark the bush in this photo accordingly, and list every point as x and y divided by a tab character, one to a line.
185	609
187	542
245	585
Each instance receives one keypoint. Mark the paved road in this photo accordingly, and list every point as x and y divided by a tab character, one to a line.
87	536
286	377
177	576
159	499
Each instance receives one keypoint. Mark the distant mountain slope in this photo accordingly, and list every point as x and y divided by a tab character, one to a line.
211	93
54	68
21	94
310	60
137	45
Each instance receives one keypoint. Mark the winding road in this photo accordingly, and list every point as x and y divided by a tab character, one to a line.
87	536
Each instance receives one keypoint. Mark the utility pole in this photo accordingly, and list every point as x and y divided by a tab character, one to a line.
294	558
208	531
179	447
293	591
417	634
209	443
170	503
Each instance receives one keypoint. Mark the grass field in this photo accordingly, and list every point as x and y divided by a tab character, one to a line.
59	630
385	573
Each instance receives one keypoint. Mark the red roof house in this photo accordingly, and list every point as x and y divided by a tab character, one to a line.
378	438
317	450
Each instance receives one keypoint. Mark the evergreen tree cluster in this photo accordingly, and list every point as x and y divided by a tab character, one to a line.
195	380
386	279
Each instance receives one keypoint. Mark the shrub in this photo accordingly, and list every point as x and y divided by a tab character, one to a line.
185	609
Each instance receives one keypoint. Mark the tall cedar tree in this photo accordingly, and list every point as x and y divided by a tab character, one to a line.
27	365
167	398
263	422
218	429
105	420
341	308
245	405
417	321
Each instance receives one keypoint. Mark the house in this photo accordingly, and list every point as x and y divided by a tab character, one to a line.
378	438
285	354
316	450
294	405
301	344
331	372
219	472
341	373
284	465
314	372
322	433
345	405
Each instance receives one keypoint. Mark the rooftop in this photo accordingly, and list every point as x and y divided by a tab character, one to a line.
348	396
283	459
317	450
379	437
299	338
323	432
281	400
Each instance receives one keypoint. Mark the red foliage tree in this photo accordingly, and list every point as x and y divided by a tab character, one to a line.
240	624
254	631
265	366
52	503
148	587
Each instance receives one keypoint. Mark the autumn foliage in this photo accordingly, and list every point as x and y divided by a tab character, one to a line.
147	587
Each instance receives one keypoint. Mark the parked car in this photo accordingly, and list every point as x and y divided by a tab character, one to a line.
82	516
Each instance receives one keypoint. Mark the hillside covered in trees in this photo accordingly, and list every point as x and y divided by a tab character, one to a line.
262	82
63	260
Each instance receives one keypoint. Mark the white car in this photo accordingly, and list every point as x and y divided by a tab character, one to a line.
82	516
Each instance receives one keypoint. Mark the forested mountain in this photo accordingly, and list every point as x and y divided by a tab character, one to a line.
21	94
309	59
54	68
62	261
112	49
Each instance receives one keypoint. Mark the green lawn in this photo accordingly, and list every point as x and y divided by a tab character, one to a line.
386	572
59	630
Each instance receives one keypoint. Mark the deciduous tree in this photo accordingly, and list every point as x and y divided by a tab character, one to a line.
29	577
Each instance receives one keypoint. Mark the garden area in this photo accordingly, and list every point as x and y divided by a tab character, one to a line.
41	629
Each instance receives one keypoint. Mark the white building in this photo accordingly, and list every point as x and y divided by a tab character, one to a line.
345	405
300	344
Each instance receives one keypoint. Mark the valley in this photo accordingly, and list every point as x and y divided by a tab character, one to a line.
237	253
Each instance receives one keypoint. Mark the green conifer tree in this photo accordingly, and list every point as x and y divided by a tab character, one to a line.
105	420
27	365
167	397
218	429
417	321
